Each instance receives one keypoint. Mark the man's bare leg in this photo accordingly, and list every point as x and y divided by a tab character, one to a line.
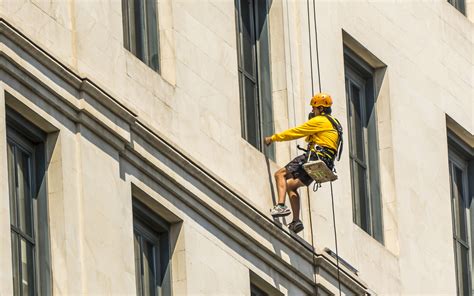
281	185
292	187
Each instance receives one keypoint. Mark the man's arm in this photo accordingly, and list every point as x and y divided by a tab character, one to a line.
308	128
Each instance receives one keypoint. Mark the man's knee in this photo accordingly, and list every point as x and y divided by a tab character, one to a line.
280	173
294	184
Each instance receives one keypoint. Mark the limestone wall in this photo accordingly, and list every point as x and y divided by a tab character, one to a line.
194	104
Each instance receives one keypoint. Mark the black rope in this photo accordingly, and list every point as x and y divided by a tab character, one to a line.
307	188
291	65
335	240
317	51
312	244
312	88
310	50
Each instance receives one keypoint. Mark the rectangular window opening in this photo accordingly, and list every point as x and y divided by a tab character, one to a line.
28	207
256	105
140	31
363	144
461	172
151	236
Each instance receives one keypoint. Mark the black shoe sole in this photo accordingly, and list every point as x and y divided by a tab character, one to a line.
280	215
298	229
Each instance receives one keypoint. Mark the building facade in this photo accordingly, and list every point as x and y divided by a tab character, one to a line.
132	155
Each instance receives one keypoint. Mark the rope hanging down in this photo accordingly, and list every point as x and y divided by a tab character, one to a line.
332	194
307	189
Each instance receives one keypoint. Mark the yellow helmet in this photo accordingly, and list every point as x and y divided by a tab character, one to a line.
321	100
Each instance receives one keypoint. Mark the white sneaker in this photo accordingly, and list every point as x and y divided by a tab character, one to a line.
280	211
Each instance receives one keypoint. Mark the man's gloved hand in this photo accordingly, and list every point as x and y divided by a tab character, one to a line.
268	140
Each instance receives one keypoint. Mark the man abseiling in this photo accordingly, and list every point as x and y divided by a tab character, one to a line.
323	141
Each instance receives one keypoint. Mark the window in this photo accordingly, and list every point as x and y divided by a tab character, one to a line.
459	5
254	72
152	251
28	207
140	30
256	291
363	145
259	287
461	171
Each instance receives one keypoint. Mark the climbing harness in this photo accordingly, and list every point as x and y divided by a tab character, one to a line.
318	169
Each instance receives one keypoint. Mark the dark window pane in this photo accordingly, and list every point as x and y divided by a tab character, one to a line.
465	268
248	39
462	269
127	22
363	198
152	25
140	31
243	118
461	227
24	201
12	184
264	79
15	264
357	123
149	268
376	211
356	191
140	25
27	268
361	203
138	265
251	112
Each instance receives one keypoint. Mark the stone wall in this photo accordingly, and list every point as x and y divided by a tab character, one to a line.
193	105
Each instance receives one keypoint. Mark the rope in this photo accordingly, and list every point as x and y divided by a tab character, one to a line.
317	51
307	189
291	66
332	194
335	240
310	50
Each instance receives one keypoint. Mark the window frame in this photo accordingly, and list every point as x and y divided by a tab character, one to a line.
24	136
359	73
460	155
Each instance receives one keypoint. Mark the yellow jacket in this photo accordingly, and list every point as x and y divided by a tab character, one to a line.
318	130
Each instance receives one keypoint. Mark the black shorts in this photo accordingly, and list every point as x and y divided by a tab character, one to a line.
295	170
